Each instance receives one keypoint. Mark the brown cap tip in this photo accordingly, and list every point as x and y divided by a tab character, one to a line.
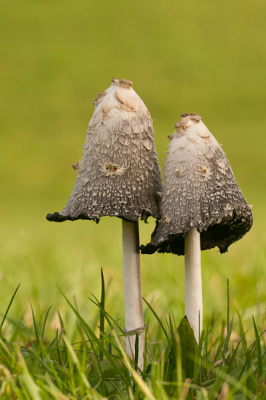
185	118
122	83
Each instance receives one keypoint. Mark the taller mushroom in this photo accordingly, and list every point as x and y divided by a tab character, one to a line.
202	206
119	176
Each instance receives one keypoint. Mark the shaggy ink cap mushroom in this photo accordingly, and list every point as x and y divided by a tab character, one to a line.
119	174
200	191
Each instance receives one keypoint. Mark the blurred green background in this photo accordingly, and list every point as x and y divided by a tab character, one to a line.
183	56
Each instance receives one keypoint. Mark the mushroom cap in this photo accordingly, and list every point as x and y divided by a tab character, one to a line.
200	191
119	174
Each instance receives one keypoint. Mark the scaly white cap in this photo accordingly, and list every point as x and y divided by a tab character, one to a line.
119	174
200	191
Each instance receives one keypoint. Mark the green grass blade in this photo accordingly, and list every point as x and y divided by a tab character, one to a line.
228	335
61	321
228	326
102	314
243	334
57	349
36	328
45	320
9	305
107	316
109	345
71	352
258	349
160	322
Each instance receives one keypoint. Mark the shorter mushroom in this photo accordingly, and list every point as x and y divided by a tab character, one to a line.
202	207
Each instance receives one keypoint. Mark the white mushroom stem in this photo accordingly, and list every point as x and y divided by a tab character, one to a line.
193	282
132	289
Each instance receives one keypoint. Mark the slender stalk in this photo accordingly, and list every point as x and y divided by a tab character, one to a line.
132	289
193	282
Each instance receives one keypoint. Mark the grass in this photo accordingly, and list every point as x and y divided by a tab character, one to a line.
91	362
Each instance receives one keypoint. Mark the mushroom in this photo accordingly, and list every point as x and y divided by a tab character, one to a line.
202	207
119	176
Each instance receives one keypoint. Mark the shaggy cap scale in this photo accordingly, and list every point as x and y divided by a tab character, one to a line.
200	191
119	174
